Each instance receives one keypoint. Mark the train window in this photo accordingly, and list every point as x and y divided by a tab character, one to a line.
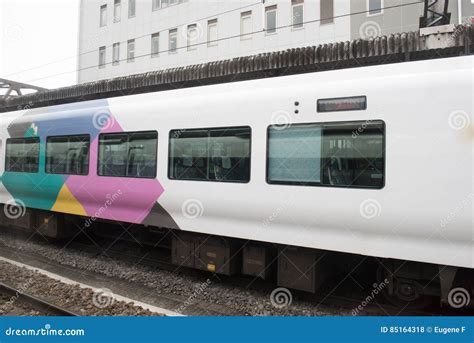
218	154
67	155
22	155
341	154
130	154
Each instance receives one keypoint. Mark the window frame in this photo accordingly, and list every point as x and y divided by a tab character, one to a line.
37	140
103	8
320	184
206	129
328	20
134	2
117	11
116	59
174	32
375	14
154	36
67	136
157	7
102	50
190	45
130	42
212	23
270	9
128	133
244	15
298	3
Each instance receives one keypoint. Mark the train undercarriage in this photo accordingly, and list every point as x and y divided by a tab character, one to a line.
296	268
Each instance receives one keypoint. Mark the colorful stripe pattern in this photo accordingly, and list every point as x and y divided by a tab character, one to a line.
115	198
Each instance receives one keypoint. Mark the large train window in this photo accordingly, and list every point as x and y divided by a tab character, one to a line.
67	155
22	155
128	154
217	154
340	154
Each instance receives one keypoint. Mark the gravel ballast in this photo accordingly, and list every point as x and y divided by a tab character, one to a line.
203	291
81	301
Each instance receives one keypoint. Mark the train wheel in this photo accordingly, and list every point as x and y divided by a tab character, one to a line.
400	292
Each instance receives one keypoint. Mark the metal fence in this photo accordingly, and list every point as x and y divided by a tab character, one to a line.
408	46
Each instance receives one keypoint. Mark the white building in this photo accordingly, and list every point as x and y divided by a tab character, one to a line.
123	37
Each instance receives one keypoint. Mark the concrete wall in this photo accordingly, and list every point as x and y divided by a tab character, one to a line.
147	22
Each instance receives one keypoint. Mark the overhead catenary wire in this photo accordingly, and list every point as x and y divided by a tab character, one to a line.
222	39
136	38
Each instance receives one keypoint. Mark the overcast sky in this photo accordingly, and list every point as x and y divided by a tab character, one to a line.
35	33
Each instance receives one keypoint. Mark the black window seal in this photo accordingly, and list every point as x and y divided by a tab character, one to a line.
319	184
68	136
23	139
207	129
128	133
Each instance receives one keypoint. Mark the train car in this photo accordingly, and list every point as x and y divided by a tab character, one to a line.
373	161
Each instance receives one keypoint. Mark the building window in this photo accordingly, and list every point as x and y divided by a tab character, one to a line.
192	37
103	15
374	7
173	40
116	54
220	154
246	25
117	10
131	50
297	15
271	19
128	154
327	11
165	3
68	155
155	44
22	155
212	32
132	8
341	154
102	57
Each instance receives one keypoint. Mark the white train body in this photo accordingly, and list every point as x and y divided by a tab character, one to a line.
424	211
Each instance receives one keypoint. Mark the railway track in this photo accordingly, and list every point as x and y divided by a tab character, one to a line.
130	253
36	303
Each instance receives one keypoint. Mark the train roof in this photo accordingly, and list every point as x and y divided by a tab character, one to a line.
395	48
